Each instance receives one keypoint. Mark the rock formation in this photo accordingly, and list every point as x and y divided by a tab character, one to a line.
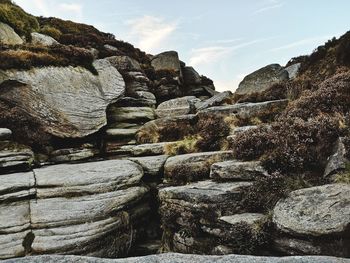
109	152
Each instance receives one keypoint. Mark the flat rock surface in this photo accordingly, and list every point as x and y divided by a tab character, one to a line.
168	60
180	258
152	165
237	170
248	110
315	211
66	101
146	149
85	178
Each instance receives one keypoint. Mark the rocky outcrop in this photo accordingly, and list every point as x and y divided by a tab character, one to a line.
190	215
180	258
293	70
262	79
177	107
8	36
42	40
337	161
67	102
92	209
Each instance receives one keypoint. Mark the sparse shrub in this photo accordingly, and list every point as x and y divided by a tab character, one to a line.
187	145
265	192
291	145
212	131
19	20
26	57
51	31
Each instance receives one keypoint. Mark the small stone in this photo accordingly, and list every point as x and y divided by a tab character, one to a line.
43	40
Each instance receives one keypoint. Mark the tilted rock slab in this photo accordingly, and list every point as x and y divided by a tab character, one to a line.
91	209
315	211
67	101
8	36
180	258
262	79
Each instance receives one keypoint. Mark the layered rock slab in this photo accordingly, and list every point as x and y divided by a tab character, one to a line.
66	101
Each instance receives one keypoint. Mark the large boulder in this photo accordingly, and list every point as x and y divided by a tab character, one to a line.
315	211
93	208
262	79
66	101
176	107
8	36
43	40
166	61
191	76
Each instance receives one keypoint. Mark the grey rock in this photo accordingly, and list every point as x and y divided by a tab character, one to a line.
193	166
203	193
237	170
262	79
8	36
180	258
72	154
176	107
14	157
111	48
251	219
249	110
86	178
337	161
315	211
124	63
167	91
166	61
148	149
136	102
294	246
5	134
43	40
191	76
130	114
152	165
16	186
217	99
120	133
293	70
48	96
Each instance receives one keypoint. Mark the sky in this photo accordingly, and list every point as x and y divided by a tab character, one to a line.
222	39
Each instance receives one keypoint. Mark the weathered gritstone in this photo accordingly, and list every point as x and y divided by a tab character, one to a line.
95	208
190	214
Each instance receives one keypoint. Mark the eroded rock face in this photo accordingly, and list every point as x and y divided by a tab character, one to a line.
8	36
337	161
67	102
262	79
315	211
15	157
93	208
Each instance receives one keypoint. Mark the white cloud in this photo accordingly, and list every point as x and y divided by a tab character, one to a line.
211	54
150	32
272	4
307	41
